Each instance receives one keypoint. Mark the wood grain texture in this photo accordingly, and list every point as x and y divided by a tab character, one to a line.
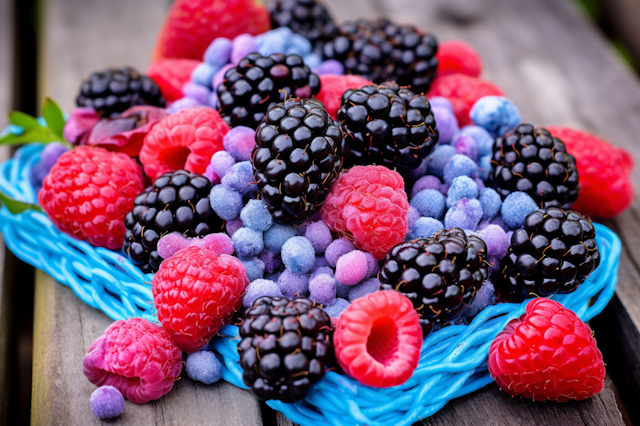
543	54
6	93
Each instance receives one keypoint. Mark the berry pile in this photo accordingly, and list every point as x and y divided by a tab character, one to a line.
337	220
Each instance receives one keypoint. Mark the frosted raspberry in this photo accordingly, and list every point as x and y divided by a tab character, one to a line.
88	192
547	353
333	86
606	189
369	206
458	57
195	293
171	74
462	91
136	357
378	339
185	140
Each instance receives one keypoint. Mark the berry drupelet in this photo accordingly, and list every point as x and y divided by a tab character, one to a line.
381	51
285	347
440	274
554	252
308	18
113	91
259	82
387	125
529	159
177	201
297	157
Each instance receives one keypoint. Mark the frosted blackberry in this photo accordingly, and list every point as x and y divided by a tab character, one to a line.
530	160
382	51
554	252
113	91
177	201
387	125
285	347
308	18
297	157
440	274
259	82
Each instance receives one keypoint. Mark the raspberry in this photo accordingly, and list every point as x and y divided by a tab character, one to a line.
458	57
462	91
185	140
333	86
369	206
171	74
191	25
195	293
378	338
605	173
548	353
88	192
136	357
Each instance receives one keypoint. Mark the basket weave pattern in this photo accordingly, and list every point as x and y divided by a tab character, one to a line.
453	361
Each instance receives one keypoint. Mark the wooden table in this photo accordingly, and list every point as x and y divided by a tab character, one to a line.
546	57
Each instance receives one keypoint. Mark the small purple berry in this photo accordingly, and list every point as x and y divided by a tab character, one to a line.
107	402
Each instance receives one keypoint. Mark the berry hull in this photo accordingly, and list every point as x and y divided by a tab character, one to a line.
96	275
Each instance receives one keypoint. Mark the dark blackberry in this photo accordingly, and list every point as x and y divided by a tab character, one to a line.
297	157
530	160
259	82
308	18
387	125
285	347
113	91
177	202
383	51
554	252
440	274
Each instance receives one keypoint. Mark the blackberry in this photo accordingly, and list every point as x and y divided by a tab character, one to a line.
387	125
259	82
530	160
113	91
382	51
554	252
297	157
440	274
285	347
308	18
177	202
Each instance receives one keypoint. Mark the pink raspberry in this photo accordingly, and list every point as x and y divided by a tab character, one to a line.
195	293
458	57
185	140
136	357
368	205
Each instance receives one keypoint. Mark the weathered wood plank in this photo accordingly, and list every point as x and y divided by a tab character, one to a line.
6	93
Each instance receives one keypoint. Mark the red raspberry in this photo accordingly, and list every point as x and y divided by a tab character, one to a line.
458	57
606	189
135	356
378	339
333	86
462	91
89	191
547	353
191	25
185	140
368	204
171	74
195	293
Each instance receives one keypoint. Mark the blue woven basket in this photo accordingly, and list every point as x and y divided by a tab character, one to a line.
453	361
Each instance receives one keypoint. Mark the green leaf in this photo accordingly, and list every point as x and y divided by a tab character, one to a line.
23	120
15	206
54	117
41	134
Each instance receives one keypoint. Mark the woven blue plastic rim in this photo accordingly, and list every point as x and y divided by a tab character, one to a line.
453	360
